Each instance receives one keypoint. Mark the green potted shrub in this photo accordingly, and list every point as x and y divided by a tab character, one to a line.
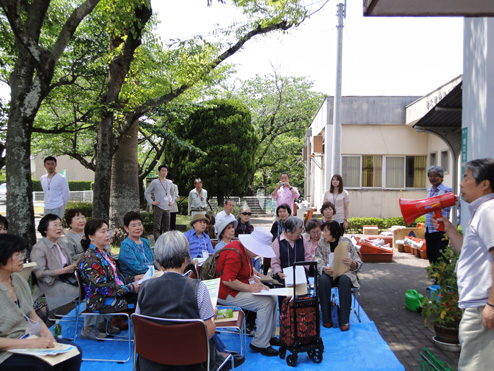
442	307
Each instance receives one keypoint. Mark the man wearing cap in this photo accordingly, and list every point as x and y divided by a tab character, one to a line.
225	214
238	283
198	240
435	241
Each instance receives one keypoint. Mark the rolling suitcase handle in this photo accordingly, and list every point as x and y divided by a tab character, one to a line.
295	264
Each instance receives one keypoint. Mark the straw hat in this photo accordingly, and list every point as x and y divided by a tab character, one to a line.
197	218
258	242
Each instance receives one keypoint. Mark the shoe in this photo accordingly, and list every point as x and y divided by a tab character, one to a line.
268	352
111	329
275	342
345	327
327	324
119	322
237	361
92	334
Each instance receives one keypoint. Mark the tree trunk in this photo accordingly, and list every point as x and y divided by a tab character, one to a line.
142	200
102	177
124	196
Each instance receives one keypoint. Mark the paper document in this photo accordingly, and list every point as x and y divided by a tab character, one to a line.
213	288
284	291
299	275
330	259
340	252
149	274
59	352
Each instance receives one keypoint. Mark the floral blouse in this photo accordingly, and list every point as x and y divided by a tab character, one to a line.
104	290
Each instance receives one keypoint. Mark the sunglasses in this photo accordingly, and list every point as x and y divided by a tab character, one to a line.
246	214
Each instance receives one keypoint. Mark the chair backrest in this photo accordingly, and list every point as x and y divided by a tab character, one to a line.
308	216
82	293
186	341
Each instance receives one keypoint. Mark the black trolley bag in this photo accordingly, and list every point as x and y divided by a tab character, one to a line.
300	329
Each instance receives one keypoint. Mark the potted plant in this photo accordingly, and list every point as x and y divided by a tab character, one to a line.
442	307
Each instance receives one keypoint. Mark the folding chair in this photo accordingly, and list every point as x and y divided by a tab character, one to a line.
234	327
85	312
355	300
186	341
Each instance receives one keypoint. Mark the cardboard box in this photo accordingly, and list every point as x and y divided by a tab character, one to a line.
400	234
370	230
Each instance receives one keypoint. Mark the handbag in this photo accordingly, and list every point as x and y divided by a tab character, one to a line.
69	278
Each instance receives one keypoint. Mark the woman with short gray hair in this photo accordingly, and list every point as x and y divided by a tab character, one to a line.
290	247
176	296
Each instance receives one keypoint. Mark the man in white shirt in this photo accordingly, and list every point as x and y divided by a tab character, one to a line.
164	197
55	188
475	266
225	214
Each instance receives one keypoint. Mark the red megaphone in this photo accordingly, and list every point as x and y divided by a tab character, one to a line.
412	209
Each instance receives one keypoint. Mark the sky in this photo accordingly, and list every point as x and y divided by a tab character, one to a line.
381	56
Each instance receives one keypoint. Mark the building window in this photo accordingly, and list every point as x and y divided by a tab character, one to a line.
433	159
371	171
445	161
405	171
399	171
351	171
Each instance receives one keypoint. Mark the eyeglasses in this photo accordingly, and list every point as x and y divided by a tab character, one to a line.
249	214
18	255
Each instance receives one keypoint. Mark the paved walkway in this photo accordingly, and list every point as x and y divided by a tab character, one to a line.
383	288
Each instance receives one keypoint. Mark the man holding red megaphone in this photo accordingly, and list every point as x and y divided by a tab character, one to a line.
434	238
475	266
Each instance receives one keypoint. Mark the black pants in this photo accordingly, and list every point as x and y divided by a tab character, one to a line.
20	362
436	244
344	284
173	221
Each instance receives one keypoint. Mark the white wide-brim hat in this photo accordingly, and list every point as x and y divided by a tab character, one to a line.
258	242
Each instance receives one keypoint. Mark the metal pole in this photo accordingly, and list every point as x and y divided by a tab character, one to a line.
336	160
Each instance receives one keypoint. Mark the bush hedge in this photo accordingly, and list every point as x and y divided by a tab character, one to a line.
355	225
74	185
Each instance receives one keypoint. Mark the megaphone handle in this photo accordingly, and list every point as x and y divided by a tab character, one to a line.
438	214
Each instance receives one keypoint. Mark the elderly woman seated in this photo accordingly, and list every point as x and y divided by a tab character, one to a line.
174	296
238	282
290	247
54	268
243	221
332	236
76	221
18	315
226	233
106	288
135	255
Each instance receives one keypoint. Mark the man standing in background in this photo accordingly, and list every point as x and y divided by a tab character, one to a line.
198	198
164	196
284	192
55	188
435	241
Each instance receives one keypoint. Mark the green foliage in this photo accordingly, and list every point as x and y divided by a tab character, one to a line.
282	109
443	305
355	225
147	221
86	207
222	129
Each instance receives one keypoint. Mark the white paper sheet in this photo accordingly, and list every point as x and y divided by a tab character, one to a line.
213	288
149	274
299	275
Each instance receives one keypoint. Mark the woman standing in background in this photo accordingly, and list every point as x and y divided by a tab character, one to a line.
341	200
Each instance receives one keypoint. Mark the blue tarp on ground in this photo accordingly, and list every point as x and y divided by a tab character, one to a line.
361	348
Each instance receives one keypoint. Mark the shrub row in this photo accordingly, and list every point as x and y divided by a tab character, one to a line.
74	185
355	225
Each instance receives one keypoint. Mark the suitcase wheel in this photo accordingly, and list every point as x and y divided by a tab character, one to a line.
282	352
291	360
315	355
